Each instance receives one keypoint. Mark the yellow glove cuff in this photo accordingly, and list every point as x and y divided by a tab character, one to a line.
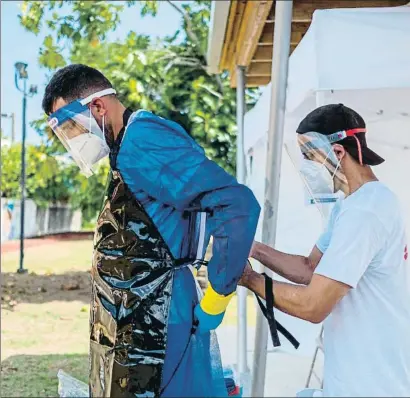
214	303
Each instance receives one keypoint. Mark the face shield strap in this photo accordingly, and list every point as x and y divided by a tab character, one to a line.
340	135
78	106
98	94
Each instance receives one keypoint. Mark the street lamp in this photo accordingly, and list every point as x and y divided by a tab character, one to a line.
21	74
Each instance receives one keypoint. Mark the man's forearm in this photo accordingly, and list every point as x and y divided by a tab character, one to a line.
292	299
292	267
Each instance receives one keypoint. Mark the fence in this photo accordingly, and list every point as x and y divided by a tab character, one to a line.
37	221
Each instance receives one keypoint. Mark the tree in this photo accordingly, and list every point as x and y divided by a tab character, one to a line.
47	178
169	79
52	179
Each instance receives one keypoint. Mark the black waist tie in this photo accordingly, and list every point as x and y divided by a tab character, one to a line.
268	313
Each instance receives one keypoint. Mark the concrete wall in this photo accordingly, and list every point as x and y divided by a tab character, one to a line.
38	221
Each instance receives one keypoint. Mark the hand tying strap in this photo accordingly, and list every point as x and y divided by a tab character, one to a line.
267	311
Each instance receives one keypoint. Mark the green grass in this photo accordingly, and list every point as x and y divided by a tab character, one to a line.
36	375
45	331
56	257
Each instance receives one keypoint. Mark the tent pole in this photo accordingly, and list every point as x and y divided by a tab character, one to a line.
241	173
281	47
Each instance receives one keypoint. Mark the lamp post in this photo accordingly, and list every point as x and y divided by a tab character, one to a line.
21	74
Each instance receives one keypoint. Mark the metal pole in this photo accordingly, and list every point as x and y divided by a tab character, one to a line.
281	47
240	173
21	269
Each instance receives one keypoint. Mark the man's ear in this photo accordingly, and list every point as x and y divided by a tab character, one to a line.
339	151
99	106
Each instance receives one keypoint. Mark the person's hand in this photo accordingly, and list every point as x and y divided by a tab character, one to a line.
245	275
254	249
206	322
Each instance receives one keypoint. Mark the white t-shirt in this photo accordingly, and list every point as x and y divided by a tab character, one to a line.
367	335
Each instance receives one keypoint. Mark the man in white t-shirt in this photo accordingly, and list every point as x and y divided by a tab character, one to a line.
357	277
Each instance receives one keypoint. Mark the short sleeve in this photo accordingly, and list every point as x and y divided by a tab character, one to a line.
357	237
324	239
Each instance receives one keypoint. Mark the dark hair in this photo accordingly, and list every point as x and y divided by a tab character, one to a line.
73	82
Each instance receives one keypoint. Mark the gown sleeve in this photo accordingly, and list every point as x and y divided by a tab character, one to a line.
160	158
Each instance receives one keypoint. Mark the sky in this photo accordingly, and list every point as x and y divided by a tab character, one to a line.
17	44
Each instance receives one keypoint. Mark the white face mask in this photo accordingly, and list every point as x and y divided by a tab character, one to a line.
89	148
319	189
317	177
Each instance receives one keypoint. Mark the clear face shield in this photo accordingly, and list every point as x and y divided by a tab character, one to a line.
79	132
313	156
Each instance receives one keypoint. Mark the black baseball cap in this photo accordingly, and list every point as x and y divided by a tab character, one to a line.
335	118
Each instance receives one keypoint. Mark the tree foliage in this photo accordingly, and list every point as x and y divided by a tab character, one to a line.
168	77
52	179
45	181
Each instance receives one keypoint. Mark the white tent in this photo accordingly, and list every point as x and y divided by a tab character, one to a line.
360	57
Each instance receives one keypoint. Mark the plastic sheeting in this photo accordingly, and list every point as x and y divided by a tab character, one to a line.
131	289
142	311
200	373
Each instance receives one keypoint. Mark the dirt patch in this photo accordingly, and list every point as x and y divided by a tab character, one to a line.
32	288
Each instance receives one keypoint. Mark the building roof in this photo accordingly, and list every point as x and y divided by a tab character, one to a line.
241	33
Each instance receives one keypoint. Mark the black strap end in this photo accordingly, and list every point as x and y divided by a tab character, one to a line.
268	312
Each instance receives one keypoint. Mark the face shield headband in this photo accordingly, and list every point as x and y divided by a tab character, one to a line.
340	135
78	131
318	147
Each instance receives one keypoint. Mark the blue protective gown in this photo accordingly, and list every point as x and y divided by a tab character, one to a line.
167	170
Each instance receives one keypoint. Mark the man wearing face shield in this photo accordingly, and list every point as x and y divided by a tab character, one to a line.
151	333
357	277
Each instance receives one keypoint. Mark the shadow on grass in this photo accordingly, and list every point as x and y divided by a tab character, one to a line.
31	288
36	375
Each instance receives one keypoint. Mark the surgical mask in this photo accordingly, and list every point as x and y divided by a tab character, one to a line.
319	183
89	148
317	177
319	187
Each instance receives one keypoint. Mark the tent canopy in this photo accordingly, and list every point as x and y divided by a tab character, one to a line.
241	33
358	56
